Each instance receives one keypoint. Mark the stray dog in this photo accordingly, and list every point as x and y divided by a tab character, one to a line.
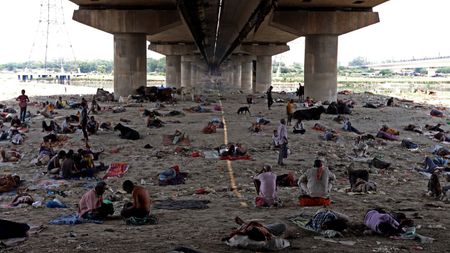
244	110
126	132
434	186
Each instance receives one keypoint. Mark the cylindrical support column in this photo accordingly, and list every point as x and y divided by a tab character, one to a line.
321	67
263	73
246	76
173	71
130	63
193	74
237	76
185	72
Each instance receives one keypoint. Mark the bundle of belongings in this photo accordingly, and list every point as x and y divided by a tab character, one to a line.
172	176
256	236
209	129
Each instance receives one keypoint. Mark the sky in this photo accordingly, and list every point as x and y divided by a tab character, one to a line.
407	29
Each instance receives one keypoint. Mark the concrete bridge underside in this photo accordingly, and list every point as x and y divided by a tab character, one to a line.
225	38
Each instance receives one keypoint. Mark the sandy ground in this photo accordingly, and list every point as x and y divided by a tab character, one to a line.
399	188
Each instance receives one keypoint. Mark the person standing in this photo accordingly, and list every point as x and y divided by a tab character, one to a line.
290	111
269	97
282	141
23	100
84	121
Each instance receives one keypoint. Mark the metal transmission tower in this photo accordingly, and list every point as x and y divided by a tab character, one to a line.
51	43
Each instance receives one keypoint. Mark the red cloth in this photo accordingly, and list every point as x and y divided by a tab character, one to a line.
116	170
233	158
308	201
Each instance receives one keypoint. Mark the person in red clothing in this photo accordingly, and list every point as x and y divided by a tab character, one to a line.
23	100
91	205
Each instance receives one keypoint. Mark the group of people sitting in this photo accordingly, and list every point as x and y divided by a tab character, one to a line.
93	206
68	165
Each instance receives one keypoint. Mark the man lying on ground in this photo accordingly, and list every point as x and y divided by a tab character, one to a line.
438	163
266	187
317	181
414	128
384	223
348	127
9	156
328	220
91	205
140	207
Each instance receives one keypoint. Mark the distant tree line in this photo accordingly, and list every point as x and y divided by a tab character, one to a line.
93	66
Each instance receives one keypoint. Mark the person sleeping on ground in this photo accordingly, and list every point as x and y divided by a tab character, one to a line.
330	135
154	122
210	128
413	128
257	231
317	181
231	149
9	156
141	203
348	127
266	187
437	163
389	224
255	128
441	136
92	206
434	128
9	182
325	219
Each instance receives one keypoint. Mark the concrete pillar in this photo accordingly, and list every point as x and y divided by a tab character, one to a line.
193	74
263	73
321	67
237	76
173	71
130	63
185	72
247	75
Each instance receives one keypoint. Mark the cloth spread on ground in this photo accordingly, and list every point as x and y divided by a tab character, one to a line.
49	184
72	219
211	154
171	204
317	201
233	158
116	170
168	140
302	221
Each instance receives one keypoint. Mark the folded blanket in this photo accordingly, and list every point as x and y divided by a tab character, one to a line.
116	170
72	219
171	204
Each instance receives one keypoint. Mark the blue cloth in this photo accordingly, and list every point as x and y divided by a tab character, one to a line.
55	204
319	218
72	219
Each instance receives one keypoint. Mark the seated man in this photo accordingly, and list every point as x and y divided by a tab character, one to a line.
178	136
95	108
54	165
67	128
9	182
390	102
266	187
140	207
317	181
9	156
328	220
68	168
299	128
92	125
60	104
91	205
381	222
360	147
15	122
53	126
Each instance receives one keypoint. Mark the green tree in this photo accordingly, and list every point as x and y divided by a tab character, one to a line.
358	62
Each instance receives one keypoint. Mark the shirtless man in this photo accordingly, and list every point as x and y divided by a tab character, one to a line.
140	207
9	156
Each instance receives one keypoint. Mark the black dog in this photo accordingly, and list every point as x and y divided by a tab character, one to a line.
309	114
244	110
126	132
